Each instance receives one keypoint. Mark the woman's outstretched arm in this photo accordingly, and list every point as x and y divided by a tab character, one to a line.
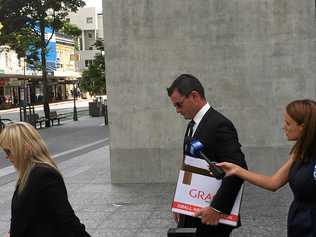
272	183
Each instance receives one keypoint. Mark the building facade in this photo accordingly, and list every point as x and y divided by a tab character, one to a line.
9	62
91	25
21	84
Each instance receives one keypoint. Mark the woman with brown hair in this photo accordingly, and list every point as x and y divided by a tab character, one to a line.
40	205
299	170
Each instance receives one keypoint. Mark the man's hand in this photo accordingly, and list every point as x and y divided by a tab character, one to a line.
209	216
176	217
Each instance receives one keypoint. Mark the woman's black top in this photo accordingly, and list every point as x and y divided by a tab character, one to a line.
302	213
42	208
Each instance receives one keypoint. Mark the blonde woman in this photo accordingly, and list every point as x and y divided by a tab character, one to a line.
40	205
299	171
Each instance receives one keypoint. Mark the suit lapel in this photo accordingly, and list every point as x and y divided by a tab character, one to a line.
199	128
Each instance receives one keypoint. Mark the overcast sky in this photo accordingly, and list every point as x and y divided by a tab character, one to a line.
94	3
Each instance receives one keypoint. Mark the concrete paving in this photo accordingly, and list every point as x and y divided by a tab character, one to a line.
143	210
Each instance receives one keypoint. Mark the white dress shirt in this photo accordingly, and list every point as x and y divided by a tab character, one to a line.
199	115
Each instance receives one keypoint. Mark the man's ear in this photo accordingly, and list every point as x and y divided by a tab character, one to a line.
195	94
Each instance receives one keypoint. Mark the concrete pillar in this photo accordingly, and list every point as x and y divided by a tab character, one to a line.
83	41
253	57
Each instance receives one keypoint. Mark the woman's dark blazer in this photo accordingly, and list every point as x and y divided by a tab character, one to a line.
42	209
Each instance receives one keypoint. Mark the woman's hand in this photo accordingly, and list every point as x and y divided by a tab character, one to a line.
7	235
229	168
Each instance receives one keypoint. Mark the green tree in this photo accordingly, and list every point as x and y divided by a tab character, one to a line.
71	30
25	44
93	79
30	19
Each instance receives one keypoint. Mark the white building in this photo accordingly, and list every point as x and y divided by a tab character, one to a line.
91	25
9	62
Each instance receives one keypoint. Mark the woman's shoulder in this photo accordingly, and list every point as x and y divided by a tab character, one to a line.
41	175
43	170
43	167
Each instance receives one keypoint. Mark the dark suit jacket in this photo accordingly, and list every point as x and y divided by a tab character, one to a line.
220	140
43	209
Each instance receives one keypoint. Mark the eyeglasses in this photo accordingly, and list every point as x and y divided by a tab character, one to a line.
180	103
7	152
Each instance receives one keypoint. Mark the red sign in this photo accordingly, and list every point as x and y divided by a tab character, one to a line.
3	82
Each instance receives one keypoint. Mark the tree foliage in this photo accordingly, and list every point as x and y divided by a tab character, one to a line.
25	22
93	79
25	44
71	30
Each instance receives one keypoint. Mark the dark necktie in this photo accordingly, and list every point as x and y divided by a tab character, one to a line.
188	135
189	131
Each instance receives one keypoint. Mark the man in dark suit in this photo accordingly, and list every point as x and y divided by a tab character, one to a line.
220	140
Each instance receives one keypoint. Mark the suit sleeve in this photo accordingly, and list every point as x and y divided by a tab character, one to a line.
55	193
227	148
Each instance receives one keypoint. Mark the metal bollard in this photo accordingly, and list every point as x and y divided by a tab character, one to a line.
181	232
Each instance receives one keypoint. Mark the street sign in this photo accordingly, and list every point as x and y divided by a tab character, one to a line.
14	82
74	57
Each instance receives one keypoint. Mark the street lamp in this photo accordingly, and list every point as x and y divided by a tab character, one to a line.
22	105
75	58
74	92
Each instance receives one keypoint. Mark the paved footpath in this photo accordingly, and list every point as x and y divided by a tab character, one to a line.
60	107
143	210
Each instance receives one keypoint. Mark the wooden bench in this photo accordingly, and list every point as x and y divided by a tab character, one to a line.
35	119
56	117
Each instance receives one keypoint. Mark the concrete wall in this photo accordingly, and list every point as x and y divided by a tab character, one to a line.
100	26
85	55
253	57
90	38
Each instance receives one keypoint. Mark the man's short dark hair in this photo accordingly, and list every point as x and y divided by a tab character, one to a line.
185	84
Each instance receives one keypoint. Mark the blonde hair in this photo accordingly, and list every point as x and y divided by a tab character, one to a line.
27	148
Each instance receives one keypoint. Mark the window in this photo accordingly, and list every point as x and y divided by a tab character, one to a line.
58	64
88	62
90	35
80	44
68	19
89	20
